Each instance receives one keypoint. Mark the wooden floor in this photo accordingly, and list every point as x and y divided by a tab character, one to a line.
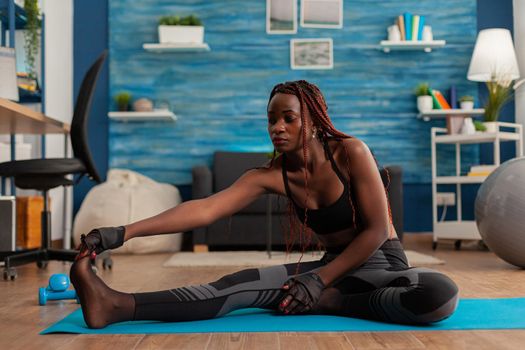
479	274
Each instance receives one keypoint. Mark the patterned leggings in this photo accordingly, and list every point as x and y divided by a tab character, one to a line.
384	288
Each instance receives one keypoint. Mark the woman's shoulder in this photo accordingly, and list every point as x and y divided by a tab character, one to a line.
269	175
352	146
351	155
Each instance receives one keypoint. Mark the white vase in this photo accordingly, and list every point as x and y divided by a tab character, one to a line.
424	103
181	34
491	126
427	34
468	127
393	33
466	105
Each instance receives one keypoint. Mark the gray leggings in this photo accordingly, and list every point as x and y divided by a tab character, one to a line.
384	288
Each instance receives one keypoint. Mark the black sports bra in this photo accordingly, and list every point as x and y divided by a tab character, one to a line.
335	217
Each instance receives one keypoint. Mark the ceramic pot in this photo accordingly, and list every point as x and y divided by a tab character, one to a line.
466	105
424	103
181	34
491	126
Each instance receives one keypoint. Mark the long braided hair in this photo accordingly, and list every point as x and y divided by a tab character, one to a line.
311	97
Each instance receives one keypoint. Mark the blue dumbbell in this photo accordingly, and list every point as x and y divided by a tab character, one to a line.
56	290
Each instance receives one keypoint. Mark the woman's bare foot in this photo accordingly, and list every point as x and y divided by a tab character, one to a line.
101	305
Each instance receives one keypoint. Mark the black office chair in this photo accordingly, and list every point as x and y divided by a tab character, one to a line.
45	174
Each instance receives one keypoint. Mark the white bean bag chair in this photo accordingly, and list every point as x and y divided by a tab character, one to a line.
124	198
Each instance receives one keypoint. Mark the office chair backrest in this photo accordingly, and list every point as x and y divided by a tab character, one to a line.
79	125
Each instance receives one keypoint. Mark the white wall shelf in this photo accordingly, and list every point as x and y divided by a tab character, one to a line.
443	113
440	180
160	48
426	46
156	115
478	137
460	229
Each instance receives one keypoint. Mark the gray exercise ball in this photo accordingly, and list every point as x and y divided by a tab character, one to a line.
500	211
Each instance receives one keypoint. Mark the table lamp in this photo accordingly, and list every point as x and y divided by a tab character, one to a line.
494	62
494	57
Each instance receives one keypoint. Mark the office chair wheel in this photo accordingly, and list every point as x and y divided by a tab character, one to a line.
41	264
10	274
434	245
457	244
107	263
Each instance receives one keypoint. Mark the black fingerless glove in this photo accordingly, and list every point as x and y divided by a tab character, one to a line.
104	238
306	289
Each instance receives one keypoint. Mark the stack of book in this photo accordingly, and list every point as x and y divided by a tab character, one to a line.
439	101
411	26
481	170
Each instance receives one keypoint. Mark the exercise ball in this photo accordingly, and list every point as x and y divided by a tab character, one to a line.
500	211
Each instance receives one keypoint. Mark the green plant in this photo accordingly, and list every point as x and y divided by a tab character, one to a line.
422	89
479	126
190	20
499	93
32	35
466	98
122	100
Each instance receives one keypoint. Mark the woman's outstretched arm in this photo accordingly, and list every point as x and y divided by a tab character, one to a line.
202	212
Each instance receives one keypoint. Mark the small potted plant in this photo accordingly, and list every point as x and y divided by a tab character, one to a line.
181	30
466	102
479	126
500	91
424	100
122	100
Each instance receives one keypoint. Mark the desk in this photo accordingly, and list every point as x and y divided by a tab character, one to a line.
18	119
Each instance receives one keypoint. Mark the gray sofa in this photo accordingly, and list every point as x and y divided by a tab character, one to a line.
250	228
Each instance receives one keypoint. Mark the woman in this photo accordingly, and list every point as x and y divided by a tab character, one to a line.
335	190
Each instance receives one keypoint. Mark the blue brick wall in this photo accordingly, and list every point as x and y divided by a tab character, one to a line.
220	96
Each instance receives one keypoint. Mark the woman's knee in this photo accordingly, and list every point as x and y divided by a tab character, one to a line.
433	299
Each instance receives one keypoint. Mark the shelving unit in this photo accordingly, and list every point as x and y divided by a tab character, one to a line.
160	48
443	113
13	17
19	13
426	46
465	229
156	115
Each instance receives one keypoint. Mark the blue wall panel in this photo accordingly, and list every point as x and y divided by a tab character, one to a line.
220	96
90	40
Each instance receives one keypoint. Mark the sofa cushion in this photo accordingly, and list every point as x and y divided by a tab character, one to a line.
229	166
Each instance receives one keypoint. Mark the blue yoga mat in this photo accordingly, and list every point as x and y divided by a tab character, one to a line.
505	313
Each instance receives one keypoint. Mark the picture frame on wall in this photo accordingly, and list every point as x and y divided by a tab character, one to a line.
322	14
311	53
281	16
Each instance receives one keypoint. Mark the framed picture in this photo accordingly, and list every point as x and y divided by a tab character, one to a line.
311	53
322	13
281	16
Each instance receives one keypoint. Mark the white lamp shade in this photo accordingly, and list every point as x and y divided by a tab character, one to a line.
493	55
